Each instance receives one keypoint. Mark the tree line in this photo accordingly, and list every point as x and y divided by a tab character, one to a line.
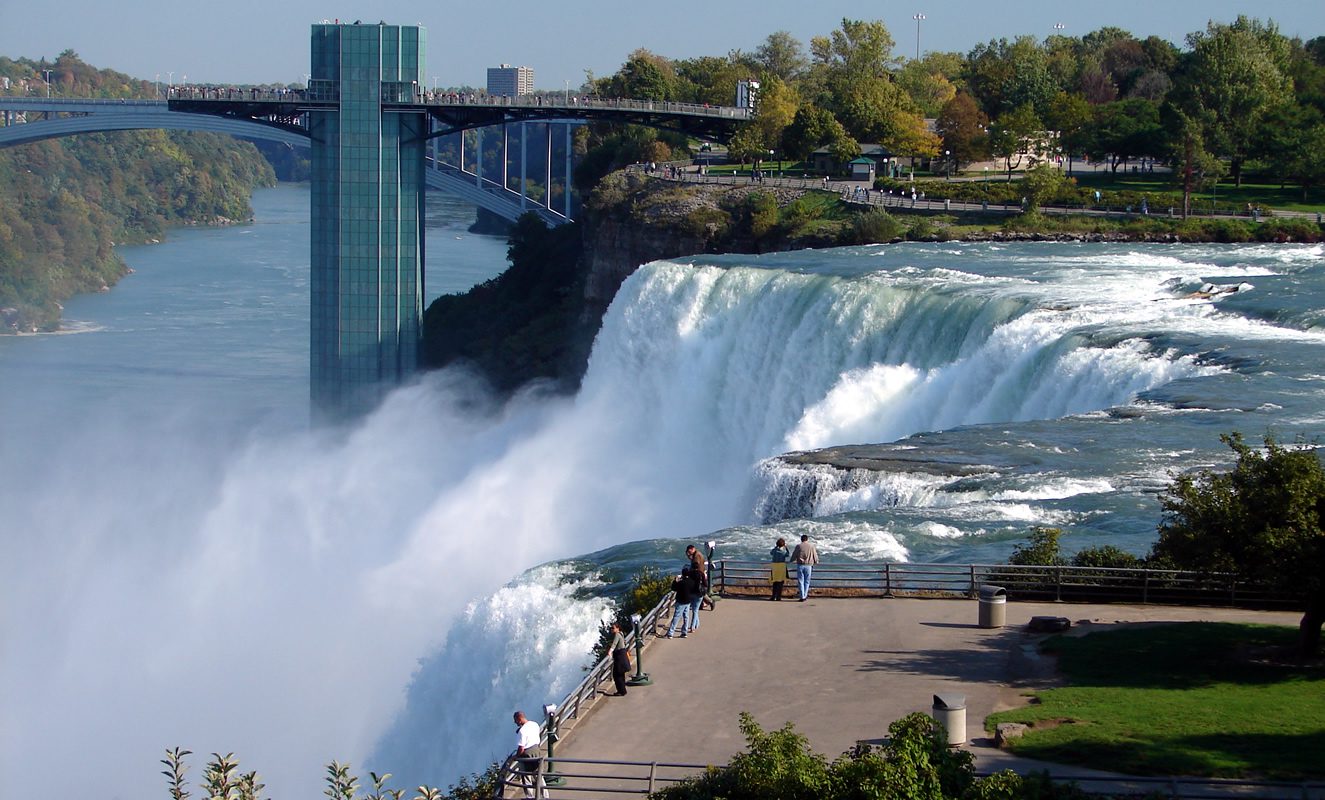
66	202
1238	95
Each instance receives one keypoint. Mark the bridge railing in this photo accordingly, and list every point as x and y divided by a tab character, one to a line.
579	701
1038	583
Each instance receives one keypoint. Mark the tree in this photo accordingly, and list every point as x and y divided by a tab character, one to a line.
1238	73
963	128
932	81
1005	75
1126	129
782	56
1186	141
1071	116
1263	520
644	76
1015	134
1292	145
811	128
1041	184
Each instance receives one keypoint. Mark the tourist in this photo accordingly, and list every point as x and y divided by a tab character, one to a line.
805	556
777	574
685	588
620	660
529	756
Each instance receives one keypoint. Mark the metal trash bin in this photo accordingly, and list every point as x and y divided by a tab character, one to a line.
993	606
950	712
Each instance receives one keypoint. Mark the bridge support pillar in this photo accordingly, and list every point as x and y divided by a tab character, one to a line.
367	213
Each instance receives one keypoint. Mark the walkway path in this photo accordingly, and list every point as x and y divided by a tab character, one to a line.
841	670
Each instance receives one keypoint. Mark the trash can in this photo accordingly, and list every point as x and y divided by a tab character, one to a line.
950	712
993	606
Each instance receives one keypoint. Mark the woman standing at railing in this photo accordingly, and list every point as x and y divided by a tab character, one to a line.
777	574
620	660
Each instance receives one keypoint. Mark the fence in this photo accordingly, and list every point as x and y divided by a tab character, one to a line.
1059	583
582	778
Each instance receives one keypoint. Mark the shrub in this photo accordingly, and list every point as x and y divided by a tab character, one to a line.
1106	556
1043	549
876	225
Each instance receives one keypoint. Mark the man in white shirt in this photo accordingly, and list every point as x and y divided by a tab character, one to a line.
528	755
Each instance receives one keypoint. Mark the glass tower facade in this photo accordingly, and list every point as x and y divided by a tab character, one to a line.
367	214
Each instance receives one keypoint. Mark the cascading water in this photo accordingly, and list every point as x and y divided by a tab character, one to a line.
175	575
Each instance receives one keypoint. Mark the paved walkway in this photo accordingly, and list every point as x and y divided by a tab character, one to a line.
840	669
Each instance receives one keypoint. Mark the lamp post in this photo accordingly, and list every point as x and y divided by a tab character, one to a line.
158	86
919	18
552	723
947	165
640	678
170	81
567	82
47	73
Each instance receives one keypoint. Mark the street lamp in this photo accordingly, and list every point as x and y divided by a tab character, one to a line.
919	18
47	73
947	165
158	86
567	82
1058	28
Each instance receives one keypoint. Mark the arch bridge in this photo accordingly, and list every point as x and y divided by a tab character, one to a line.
376	140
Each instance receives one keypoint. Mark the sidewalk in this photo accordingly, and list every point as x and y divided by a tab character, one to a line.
841	670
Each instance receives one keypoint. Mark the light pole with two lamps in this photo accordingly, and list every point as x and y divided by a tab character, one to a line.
919	18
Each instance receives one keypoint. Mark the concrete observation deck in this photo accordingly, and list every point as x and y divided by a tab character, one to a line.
841	670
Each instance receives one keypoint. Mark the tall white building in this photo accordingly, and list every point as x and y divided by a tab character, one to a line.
510	81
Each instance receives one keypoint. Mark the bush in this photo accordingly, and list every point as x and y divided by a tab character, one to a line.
1042	551
876	225
1106	556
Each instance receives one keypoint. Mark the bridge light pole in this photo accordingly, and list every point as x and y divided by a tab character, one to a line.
919	18
567	82
47	73
170	81
158	86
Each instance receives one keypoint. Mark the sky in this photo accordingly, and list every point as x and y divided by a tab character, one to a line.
242	41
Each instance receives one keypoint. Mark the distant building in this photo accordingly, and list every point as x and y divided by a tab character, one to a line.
747	94
510	81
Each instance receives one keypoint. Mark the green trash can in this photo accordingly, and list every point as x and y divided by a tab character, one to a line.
993	606
950	712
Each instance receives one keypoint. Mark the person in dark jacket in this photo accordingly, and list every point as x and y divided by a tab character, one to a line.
685	588
620	660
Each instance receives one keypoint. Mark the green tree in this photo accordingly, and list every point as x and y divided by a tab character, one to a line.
932	81
1016	135
1005	76
1126	129
644	76
811	128
1292	145
1041	184
1237	73
1263	520
1070	115
782	55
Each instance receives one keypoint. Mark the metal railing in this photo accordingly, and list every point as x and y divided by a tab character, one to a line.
1056	583
589	778
578	701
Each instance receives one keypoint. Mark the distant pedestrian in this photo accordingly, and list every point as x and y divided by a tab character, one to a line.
805	556
685	588
777	573
620	659
529	755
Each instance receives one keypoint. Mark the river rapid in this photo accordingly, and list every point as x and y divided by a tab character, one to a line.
185	561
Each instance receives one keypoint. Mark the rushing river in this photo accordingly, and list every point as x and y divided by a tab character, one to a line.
185	562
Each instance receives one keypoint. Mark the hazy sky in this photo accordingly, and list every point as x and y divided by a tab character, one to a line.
242	41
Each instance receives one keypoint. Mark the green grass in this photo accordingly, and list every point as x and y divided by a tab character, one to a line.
1183	699
1226	195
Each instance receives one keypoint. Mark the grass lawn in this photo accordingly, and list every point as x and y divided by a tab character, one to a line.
1226	195
1182	699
